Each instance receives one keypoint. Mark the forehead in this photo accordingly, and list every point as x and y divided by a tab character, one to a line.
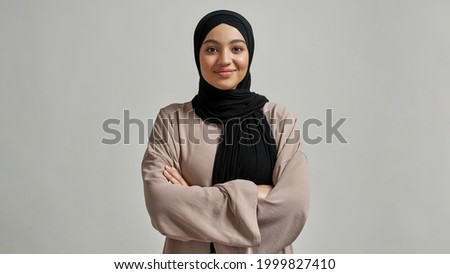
224	32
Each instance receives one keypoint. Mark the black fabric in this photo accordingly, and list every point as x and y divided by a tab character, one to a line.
247	149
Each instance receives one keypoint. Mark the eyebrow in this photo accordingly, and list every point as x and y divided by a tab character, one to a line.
231	42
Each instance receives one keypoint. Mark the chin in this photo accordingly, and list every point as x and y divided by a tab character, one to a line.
225	86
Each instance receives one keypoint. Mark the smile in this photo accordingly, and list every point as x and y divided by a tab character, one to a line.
225	72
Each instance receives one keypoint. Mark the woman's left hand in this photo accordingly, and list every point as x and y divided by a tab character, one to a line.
174	176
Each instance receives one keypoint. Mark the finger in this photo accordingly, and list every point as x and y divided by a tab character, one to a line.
174	172
170	178
175	175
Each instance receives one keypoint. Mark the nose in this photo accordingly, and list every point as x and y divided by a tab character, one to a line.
224	58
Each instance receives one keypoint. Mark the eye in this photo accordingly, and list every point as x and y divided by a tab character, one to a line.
211	50
237	49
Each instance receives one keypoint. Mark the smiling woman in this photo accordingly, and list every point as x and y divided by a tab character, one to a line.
247	190
224	57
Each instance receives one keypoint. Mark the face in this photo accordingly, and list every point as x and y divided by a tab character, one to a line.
224	57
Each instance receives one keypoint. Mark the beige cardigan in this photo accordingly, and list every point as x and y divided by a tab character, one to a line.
230	215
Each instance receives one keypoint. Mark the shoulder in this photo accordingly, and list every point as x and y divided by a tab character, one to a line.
176	110
283	123
277	111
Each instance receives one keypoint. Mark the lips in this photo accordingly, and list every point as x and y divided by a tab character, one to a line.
225	72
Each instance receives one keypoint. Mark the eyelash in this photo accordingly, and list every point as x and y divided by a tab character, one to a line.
235	49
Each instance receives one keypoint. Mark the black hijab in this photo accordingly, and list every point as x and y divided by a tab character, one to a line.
247	149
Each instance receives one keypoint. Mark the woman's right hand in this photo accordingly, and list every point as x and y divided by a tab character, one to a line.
172	175
263	191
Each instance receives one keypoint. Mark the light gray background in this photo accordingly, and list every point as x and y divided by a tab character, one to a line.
66	66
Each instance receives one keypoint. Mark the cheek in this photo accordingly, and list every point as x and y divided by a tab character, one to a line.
242	62
206	63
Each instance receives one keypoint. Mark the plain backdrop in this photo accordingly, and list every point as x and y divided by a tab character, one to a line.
67	66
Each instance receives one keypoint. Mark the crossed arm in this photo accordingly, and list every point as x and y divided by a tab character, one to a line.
263	218
174	177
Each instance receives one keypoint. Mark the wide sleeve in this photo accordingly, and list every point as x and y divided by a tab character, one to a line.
206	214
283	213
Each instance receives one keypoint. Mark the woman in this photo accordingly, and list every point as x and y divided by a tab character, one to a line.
225	173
